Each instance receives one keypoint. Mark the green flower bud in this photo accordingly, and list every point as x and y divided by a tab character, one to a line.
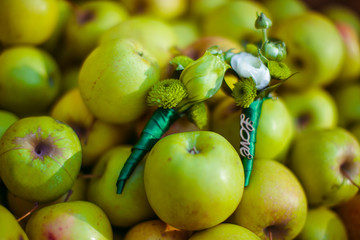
198	114
274	51
262	22
167	93
202	78
244	92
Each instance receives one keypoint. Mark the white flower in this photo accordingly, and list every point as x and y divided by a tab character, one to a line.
246	65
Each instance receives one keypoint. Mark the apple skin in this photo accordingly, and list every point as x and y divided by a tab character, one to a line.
70	109
9	227
25	70
114	80
322	223
312	108
88	22
69	220
308	54
225	231
321	159
274	133
234	20
6	119
49	162
347	98
131	206
349	213
281	10
24	22
273	201
155	229
184	170
200	8
186	30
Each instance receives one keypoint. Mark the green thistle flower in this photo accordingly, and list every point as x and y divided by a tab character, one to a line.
244	92
198	114
167	93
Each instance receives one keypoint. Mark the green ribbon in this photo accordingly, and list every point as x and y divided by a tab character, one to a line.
159	123
248	136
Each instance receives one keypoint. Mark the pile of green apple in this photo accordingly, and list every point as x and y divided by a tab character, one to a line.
74	77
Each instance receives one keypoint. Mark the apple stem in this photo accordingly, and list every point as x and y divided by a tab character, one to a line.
349	178
69	193
36	205
89	176
270	235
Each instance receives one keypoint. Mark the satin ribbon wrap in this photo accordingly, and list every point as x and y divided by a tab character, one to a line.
159	123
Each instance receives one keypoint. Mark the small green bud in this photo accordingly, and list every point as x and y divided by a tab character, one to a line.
244	92
252	48
274	51
202	78
167	93
180	62
262	22
198	114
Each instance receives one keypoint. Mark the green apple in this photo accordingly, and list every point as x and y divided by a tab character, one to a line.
69	220
193	180
200	8
322	223
131	206
27	22
187	31
88	22
349	214
29	80
281	10
273	203
315	49
157	8
155	35
347	98
9	227
326	162
225	231
20	207
312	108
235	20
6	119
39	158
274	133
70	109
155	229
115	78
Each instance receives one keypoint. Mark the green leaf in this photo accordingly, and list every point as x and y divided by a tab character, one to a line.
279	70
180	62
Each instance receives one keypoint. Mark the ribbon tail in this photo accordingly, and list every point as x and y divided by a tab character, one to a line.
159	123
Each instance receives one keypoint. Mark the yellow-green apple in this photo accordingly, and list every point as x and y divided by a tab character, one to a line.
274	133
193	180
155	229
20	207
322	223
315	49
187	31
225	231
235	20
312	108
27	22
281	10
88	21
96	136
349	213
9	227
115	78
161	9
155	35
342	13
40	158
6	119
29	80
274	203
131	206
347	98
69	220
326	162
200	8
